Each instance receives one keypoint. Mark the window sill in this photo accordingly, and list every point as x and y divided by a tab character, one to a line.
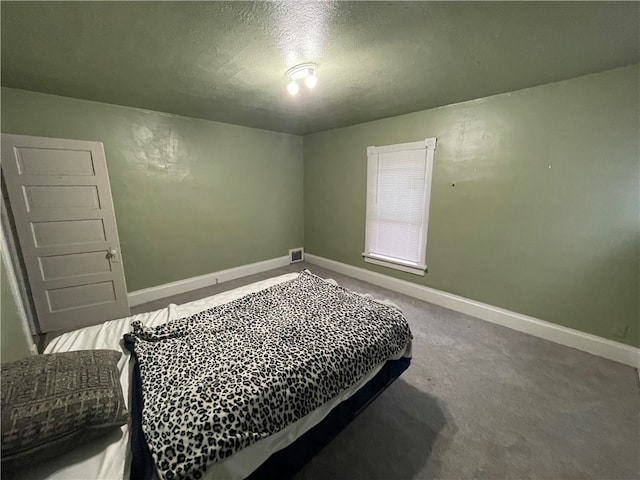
395	264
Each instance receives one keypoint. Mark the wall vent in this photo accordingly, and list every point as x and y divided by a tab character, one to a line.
296	255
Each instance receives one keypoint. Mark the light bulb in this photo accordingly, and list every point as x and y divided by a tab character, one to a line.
311	81
292	88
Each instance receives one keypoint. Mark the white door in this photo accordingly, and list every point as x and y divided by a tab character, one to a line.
61	202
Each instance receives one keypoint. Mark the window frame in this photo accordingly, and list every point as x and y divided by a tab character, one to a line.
420	267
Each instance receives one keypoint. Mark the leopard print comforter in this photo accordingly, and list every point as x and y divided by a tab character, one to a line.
218	381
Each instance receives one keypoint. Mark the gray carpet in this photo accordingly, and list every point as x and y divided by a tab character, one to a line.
480	401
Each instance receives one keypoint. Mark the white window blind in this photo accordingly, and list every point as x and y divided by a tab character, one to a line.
398	191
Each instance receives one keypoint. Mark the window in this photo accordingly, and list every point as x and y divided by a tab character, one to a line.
398	191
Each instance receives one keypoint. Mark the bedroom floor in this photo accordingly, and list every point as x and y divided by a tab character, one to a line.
480	401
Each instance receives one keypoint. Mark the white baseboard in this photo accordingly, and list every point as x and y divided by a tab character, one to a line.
569	337
138	297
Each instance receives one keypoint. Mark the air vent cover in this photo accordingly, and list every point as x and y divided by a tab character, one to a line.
296	255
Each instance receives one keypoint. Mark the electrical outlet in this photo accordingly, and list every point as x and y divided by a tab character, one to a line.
620	330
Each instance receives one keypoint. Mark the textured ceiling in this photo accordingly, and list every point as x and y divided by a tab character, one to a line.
226	61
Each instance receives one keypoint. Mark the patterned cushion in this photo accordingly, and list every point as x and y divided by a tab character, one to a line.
53	402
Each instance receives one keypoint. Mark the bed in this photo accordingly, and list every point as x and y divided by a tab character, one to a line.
280	453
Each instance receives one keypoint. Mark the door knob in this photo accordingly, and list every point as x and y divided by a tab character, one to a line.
112	254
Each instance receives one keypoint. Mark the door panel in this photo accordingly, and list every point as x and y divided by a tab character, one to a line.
74	265
67	232
81	296
61	196
40	161
61	201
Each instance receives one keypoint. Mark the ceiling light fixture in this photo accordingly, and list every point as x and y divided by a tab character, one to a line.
311	81
304	71
293	88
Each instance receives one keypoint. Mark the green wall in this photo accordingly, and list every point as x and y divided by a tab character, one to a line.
191	196
544	215
14	345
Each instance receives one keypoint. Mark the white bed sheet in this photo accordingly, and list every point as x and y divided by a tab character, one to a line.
109	457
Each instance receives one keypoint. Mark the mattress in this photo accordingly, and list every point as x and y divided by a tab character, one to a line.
109	457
